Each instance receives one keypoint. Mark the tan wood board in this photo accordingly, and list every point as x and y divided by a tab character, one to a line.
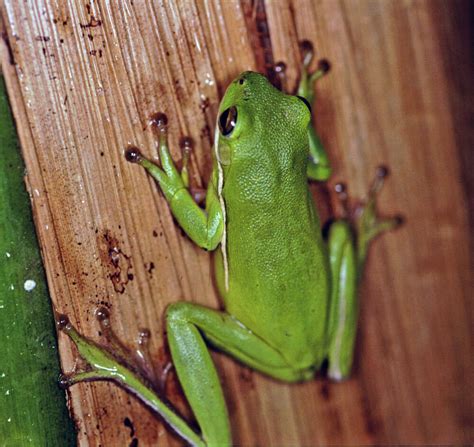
83	80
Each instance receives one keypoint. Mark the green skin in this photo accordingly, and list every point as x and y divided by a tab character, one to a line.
289	295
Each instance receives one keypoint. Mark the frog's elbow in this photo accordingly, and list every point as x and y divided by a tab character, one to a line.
215	231
212	242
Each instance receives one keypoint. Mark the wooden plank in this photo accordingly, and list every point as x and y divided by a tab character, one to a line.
87	76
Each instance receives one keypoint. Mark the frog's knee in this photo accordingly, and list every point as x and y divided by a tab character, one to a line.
340	229
177	312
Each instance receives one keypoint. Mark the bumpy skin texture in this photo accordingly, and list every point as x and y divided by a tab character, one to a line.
278	269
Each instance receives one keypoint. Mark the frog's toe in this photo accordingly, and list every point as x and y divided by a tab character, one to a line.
369	223
186	145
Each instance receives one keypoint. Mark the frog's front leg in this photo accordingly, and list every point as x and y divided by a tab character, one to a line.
319	167
204	227
348	245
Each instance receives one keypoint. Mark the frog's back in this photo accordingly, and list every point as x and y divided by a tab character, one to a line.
278	272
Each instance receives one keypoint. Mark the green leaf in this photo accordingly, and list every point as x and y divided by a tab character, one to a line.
32	407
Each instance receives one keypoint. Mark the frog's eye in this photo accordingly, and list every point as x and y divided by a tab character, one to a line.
306	102
228	121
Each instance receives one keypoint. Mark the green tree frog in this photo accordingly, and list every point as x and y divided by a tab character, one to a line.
290	295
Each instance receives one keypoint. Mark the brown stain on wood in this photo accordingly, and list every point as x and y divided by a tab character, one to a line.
84	78
119	263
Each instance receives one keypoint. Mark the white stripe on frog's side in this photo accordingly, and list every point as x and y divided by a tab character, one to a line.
220	185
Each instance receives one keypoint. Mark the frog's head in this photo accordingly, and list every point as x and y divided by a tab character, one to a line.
255	117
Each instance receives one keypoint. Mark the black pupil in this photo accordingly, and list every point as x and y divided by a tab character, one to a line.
227	121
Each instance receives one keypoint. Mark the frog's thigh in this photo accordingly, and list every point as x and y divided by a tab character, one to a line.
187	324
344	302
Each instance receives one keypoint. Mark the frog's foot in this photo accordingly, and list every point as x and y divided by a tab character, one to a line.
105	365
364	217
319	167
307	80
170	179
99	362
177	179
139	357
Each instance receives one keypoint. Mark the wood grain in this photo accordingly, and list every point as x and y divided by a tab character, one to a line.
83	80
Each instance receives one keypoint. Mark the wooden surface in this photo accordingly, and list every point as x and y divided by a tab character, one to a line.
83	80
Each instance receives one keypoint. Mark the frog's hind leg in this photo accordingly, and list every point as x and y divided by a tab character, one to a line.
349	240
344	307
103	365
368	223
188	326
